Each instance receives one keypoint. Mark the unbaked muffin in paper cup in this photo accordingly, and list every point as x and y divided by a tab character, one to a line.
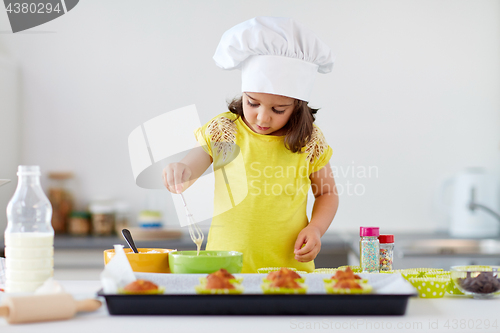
201	289
430	287
365	289
237	279
299	280
332	280
159	291
267	289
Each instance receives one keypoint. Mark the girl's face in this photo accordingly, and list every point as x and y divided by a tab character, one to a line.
266	113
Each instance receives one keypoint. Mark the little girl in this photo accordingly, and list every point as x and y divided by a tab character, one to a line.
266	150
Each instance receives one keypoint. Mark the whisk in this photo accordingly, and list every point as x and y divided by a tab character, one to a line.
195	233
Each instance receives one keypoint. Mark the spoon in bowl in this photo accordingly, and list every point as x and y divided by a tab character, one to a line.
128	237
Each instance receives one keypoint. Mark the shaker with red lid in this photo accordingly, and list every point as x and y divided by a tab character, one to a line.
386	252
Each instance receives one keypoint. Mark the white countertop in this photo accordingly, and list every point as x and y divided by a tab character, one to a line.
449	314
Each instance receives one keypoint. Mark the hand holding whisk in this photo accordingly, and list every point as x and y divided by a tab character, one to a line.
194	230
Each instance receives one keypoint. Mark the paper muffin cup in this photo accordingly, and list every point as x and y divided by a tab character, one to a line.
452	289
430	287
267	289
355	269
239	280
325	271
201	289
159	291
331	280
438	274
365	289
299	280
418	272
265	270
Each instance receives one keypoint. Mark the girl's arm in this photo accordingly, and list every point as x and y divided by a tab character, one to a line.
177	177
324	210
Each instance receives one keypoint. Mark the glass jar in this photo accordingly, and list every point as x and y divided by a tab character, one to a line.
29	236
79	223
369	249
122	216
103	217
61	199
386	252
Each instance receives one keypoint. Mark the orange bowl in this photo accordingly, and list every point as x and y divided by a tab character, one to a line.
146	261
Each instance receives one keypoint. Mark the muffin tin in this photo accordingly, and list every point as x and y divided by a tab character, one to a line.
180	298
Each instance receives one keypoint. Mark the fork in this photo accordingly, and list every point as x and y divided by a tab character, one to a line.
196	234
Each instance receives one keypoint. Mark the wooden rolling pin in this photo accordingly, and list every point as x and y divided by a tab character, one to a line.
28	309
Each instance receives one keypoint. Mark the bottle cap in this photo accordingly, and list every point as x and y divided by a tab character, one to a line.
384	239
28	170
368	231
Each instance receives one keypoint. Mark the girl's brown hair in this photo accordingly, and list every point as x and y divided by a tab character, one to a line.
299	127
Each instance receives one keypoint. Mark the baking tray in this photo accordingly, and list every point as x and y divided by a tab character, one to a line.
180	298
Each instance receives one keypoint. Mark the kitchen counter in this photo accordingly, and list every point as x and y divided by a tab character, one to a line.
89	250
449	314
336	249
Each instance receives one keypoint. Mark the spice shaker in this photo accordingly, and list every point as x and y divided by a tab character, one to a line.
369	249
386	252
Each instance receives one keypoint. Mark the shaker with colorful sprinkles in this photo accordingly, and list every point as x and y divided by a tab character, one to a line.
386	252
369	249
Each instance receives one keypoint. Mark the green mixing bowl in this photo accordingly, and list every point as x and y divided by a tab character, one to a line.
187	262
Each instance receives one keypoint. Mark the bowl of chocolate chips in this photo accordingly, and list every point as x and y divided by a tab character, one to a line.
478	281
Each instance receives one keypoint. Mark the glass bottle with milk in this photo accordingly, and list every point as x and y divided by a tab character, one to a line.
29	237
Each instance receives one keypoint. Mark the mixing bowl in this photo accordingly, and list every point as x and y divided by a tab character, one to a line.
146	261
478	281
187	262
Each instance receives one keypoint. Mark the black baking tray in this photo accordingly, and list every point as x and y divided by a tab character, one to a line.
257	304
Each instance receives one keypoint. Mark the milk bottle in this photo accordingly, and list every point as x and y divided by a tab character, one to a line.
29	237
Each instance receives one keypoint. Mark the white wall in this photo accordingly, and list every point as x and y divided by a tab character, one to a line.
9	131
413	93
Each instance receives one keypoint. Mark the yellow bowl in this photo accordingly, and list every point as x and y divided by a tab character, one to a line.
146	261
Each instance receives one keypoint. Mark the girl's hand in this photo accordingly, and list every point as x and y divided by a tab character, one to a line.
311	237
175	175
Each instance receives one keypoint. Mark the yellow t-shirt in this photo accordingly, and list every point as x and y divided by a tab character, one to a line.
260	191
